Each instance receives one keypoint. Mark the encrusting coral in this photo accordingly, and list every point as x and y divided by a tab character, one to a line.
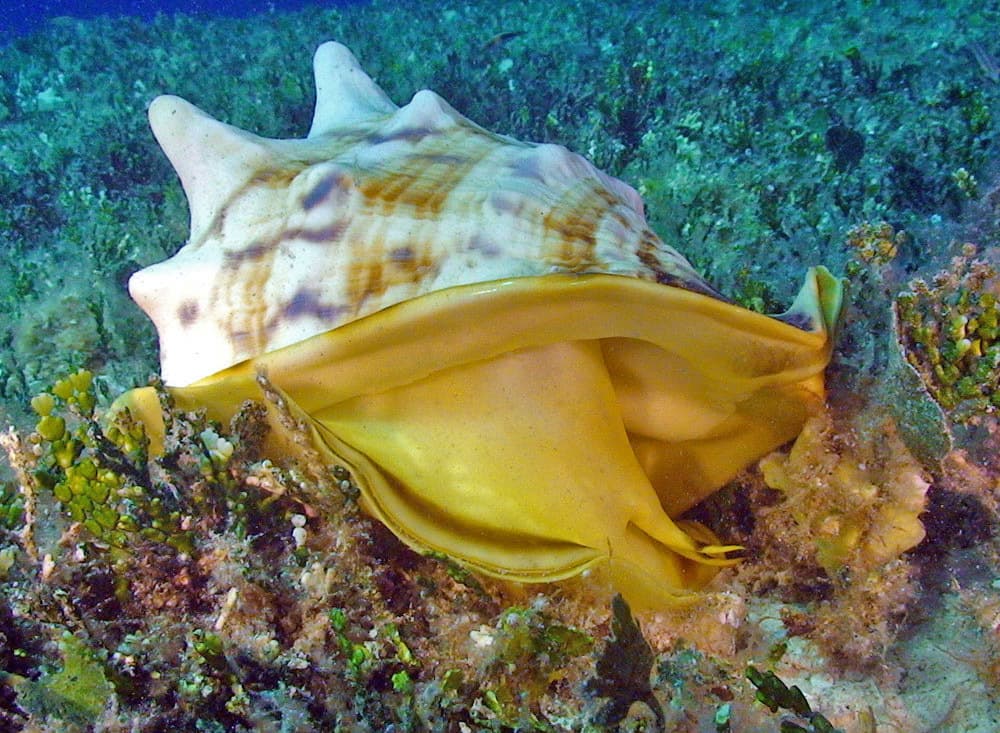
860	503
848	510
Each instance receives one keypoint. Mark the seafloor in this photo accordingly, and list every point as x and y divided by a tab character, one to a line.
224	593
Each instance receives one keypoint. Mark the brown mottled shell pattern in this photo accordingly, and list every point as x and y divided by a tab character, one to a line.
291	238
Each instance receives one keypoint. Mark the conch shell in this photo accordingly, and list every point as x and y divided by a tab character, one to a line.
519	373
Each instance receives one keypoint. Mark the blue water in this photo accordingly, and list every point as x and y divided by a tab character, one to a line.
20	17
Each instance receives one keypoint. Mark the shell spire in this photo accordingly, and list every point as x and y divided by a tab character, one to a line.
345	94
212	159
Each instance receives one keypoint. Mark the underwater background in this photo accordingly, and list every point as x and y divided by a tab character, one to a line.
858	135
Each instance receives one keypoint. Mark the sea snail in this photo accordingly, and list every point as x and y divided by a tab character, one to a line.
517	371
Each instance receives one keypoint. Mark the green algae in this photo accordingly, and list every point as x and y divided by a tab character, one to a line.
76	693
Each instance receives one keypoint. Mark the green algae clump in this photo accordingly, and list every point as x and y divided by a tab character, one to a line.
76	693
99	476
950	330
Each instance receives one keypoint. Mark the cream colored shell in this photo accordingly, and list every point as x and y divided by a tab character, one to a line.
378	205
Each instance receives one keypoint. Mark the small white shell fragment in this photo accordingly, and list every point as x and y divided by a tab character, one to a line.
227	608
482	637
